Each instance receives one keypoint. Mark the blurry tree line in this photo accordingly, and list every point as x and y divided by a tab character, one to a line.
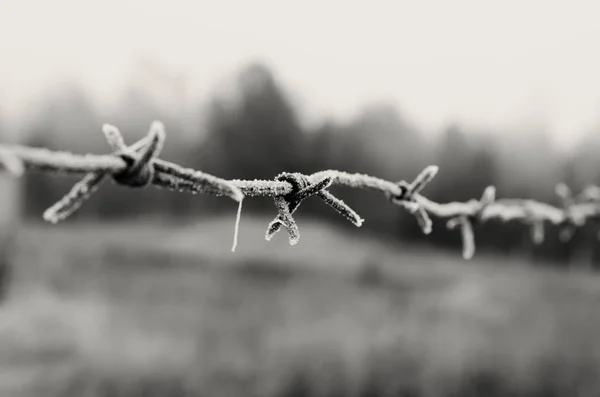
255	132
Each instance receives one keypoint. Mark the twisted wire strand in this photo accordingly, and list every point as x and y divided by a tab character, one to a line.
138	165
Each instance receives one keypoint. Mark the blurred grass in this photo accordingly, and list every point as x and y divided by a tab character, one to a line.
152	309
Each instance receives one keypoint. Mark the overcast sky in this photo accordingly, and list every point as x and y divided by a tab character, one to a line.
481	62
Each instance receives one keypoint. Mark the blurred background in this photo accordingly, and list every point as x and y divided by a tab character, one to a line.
138	294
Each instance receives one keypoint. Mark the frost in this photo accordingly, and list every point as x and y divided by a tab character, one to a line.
301	189
138	165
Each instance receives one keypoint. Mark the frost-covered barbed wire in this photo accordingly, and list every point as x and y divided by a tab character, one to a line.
138	166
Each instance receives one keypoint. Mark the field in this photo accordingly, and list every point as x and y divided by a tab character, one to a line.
167	310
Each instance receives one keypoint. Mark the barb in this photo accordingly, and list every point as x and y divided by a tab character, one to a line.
138	166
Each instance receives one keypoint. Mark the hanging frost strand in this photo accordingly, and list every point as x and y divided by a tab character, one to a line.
236	230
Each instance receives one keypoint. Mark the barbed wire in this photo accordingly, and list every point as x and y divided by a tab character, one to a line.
138	166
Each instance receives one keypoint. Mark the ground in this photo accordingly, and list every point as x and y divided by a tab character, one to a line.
149	309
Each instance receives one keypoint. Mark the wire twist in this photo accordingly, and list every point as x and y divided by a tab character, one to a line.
138	166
